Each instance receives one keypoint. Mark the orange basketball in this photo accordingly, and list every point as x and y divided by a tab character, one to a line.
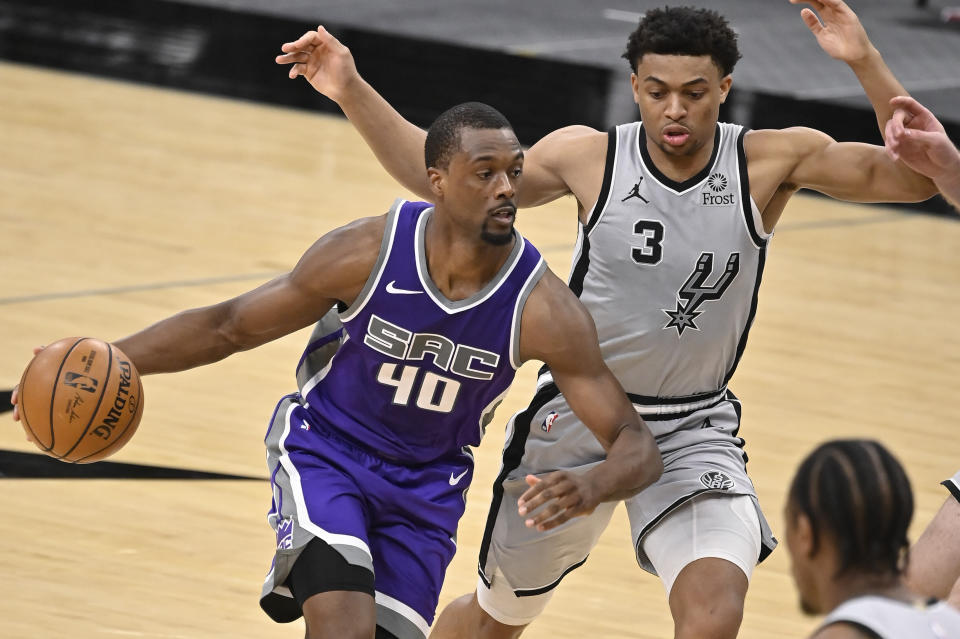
81	399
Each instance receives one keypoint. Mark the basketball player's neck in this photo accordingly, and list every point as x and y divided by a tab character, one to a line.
863	585
681	165
460	264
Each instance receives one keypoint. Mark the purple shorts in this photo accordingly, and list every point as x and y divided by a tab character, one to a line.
398	521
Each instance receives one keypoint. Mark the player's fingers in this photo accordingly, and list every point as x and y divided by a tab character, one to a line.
307	40
536	496
15	394
544	519
812	21
296	56
296	70
325	38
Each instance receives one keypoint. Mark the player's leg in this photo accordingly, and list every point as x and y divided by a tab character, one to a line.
463	617
335	596
705	552
935	558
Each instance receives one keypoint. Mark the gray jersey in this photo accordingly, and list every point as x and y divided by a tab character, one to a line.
892	619
669	271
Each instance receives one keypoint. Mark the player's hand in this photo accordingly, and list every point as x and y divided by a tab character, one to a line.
555	498
14	399
320	58
915	136
838	30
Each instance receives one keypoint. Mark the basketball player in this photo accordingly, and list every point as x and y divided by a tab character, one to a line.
847	514
915	135
370	460
675	214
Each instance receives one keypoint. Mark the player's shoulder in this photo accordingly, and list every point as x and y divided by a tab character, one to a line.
796	141
351	250
577	138
553	314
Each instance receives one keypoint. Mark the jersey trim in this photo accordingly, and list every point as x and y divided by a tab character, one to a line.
657	408
761	260
386	246
522	296
533	592
754	225
491	287
677	187
582	257
953	486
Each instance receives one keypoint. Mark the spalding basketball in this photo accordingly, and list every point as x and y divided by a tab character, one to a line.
81	399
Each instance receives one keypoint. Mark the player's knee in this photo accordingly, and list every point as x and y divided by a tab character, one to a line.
490	628
340	628
714	616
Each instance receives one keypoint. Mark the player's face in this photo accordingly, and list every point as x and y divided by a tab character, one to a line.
799	540
679	98
480	185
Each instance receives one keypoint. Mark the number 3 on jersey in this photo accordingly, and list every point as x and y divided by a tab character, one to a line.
650	250
435	393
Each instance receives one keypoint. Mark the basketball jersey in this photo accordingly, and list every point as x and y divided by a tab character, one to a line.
669	271
411	375
892	619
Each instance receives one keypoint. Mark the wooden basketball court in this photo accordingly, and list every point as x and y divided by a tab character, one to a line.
122	204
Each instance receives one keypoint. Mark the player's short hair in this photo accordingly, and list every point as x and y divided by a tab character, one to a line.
443	136
684	31
857	493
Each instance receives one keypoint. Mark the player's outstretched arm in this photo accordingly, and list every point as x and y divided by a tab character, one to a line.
328	66
840	34
556	329
799	157
334	268
915	136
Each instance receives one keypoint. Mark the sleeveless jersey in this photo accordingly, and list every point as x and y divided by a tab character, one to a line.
410	375
669	271
891	619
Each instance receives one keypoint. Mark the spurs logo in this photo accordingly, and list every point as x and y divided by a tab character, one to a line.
695	292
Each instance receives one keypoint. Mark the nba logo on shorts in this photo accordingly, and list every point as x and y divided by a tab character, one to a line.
548	422
285	533
716	480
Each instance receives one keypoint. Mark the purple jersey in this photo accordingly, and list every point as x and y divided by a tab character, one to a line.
412	376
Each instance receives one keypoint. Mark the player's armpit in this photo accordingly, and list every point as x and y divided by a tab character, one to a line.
850	171
565	161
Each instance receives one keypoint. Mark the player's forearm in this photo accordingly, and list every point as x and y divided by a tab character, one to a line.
879	84
633	462
397	143
949	188
186	340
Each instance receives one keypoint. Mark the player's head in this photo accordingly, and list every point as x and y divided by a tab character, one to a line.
848	511
681	58
474	163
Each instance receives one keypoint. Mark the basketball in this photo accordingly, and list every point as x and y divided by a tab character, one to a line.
81	399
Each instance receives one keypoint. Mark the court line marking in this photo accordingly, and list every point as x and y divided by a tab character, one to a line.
893	216
136	288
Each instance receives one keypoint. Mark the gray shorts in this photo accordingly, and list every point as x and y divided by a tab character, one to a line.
701	453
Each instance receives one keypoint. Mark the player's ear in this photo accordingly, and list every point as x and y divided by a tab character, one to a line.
725	83
437	180
803	535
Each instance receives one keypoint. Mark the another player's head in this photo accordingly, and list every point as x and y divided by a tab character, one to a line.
681	59
848	511
474	163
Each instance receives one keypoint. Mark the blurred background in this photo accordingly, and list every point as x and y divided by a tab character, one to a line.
544	63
